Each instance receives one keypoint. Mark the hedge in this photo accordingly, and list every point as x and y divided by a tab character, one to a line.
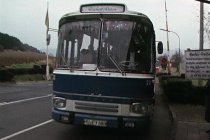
179	90
7	74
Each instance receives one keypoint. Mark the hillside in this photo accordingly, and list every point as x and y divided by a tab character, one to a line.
8	42
13	51
9	57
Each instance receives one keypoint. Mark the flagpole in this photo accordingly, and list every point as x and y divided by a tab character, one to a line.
47	67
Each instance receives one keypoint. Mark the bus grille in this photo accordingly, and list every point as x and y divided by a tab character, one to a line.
96	107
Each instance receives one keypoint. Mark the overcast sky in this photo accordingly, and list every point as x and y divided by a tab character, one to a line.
25	19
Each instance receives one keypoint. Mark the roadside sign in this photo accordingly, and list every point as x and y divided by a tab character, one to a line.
197	64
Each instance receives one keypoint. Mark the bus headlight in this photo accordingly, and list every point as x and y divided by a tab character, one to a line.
139	108
59	102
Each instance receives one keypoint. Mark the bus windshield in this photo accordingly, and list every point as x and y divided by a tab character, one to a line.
78	45
125	46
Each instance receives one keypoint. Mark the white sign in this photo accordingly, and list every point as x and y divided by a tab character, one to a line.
197	64
103	8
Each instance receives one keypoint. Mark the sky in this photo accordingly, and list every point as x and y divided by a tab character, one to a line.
25	19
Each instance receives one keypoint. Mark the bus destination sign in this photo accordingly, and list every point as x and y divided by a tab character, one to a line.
102	8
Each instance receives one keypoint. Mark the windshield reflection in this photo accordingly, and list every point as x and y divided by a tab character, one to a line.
125	46
129	44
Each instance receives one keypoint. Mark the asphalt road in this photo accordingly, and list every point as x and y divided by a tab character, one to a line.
25	113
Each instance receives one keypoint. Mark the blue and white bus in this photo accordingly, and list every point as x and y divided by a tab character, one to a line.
105	67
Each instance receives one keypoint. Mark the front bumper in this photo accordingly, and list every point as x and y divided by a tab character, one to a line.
100	120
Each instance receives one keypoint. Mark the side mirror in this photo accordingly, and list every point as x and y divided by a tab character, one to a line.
160	47
48	39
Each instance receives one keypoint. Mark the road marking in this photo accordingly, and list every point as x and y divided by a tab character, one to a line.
27	129
3	103
24	100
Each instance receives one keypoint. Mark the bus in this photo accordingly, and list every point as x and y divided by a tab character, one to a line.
105	67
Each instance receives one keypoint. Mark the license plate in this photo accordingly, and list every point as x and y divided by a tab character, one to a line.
90	122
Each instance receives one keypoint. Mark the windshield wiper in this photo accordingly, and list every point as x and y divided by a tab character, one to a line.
116	65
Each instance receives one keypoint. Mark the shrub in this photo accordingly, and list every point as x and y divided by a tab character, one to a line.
179	85
197	95
163	79
208	87
35	70
180	90
35	66
5	75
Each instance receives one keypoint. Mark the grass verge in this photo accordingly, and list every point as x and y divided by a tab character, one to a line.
21	66
28	77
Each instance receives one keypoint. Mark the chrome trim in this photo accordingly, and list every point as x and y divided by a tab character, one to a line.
100	108
86	95
105	74
91	106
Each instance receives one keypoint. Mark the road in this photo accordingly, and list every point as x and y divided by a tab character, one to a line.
25	113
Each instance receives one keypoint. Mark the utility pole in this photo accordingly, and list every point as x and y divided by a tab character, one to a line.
200	82
167	28
169	66
201	26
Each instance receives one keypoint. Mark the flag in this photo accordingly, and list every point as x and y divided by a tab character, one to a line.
47	18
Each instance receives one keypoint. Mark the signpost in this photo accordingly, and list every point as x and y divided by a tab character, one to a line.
197	64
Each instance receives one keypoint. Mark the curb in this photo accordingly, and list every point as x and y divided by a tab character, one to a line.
172	114
173	117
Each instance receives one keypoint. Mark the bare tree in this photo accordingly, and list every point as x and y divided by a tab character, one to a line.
176	59
207	27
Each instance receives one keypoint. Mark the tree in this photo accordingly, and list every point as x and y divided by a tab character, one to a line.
176	59
207	27
13	43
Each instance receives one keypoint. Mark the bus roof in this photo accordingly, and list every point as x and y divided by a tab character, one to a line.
85	14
